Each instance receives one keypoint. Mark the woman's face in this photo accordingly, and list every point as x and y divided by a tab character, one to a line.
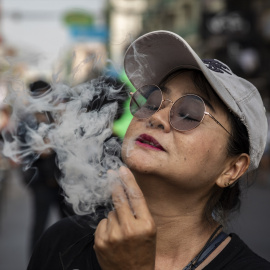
190	159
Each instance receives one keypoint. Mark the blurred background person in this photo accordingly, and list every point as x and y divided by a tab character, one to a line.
5	163
41	177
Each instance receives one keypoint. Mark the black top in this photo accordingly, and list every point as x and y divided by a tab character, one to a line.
237	256
68	245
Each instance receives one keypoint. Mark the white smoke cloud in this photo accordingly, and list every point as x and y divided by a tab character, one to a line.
77	126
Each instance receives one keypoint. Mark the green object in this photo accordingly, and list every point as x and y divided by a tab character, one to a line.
120	125
79	17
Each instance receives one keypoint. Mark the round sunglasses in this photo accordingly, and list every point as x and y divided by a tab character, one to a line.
186	113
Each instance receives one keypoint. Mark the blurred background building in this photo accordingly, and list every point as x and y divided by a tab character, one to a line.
50	39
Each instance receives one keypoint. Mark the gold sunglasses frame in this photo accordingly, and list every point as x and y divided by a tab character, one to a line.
163	100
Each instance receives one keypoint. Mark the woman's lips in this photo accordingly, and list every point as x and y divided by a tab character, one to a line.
149	142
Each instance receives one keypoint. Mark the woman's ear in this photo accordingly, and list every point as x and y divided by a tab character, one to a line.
234	170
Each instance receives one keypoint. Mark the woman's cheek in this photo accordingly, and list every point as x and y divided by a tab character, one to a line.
128	142
127	147
127	155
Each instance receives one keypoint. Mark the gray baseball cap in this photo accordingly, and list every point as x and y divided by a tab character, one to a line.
156	54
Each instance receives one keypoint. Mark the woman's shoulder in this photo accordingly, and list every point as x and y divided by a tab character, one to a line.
74	227
237	256
66	243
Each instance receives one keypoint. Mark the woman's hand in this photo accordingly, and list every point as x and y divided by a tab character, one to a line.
127	238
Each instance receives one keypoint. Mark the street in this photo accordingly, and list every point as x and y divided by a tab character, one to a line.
15	221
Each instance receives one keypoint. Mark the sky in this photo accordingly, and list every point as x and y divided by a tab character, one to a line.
35	26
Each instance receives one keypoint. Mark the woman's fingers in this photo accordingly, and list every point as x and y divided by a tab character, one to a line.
118	237
121	204
101	230
105	229
120	199
134	194
112	220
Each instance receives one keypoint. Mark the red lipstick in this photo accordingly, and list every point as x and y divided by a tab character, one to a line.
148	141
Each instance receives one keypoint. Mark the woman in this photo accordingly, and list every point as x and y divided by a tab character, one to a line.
197	128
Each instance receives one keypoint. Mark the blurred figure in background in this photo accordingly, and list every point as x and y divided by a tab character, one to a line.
41	178
5	163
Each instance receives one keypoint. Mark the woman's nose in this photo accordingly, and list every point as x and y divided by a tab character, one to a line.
160	119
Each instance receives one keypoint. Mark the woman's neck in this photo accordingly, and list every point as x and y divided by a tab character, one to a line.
182	229
180	239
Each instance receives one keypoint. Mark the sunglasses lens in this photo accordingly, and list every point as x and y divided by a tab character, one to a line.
145	101
187	112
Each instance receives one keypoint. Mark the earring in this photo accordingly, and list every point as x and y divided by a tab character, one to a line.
227	184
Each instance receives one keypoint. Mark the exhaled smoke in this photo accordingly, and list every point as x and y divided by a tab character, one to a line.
76	123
